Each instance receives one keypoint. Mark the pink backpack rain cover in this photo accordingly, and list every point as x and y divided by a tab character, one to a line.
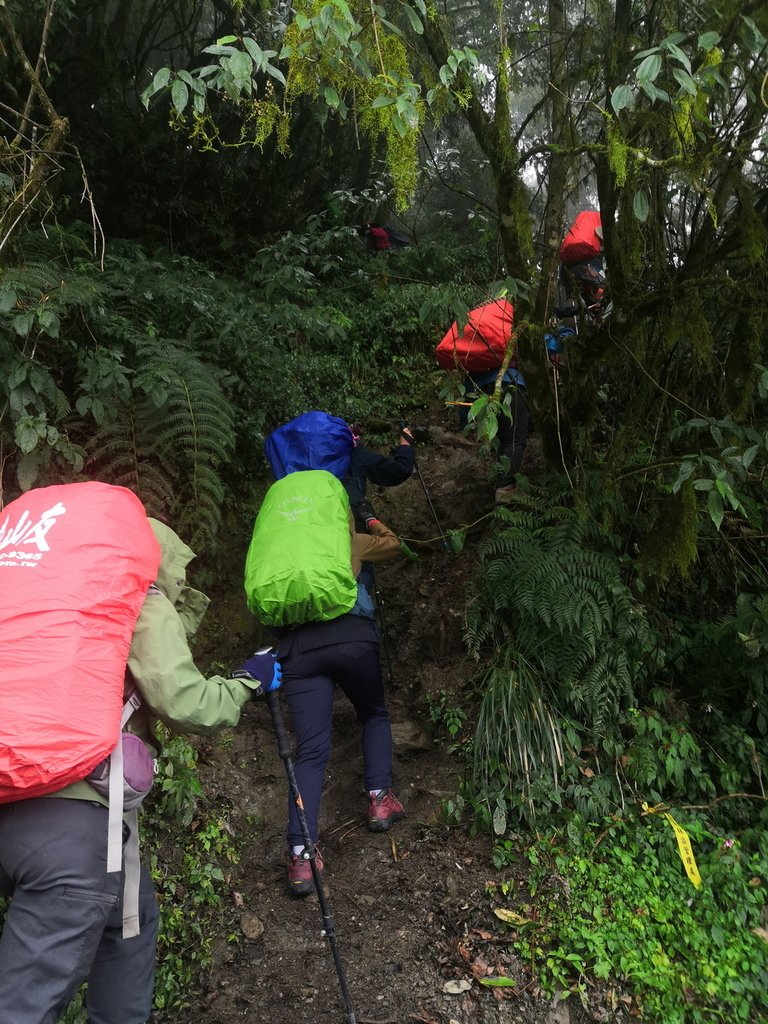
483	342
583	240
75	564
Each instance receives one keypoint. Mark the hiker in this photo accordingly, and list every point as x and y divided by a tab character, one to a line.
581	256
316	657
478	352
65	922
327	636
377	237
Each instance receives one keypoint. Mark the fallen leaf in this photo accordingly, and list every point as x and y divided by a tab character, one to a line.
510	917
237	899
455	988
251	927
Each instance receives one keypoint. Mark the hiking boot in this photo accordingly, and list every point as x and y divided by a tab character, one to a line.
383	811
300	880
504	495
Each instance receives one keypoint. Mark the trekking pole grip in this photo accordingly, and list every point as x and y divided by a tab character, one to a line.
272	698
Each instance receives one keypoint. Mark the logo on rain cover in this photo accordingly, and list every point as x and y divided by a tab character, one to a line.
26	535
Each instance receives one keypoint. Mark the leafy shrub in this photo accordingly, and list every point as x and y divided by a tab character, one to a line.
611	916
563	644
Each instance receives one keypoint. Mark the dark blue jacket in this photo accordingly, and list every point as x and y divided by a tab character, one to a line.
378	469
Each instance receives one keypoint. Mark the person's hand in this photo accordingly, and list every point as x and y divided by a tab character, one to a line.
262	668
406	435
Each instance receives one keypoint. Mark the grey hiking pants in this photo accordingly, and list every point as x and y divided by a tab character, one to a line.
64	920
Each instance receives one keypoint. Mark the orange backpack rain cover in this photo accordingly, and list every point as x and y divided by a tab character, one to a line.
75	564
483	342
584	240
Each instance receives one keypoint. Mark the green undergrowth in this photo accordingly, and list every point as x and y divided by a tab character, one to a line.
607	914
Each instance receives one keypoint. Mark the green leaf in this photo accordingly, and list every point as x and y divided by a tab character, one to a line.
415	20
226	39
421	4
715	508
221	51
160	80
457	540
685	81
500	982
22	323
275	73
28	470
27	433
499	820
640	206
678	54
7	300
241	67
179	95
254	49
331	97
649	68
383	101
653	92
708	40
621	97
408	552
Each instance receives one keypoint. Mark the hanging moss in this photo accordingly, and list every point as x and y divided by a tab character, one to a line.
617	153
313	68
670	544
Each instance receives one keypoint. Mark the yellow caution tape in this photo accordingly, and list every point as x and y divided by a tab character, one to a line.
684	847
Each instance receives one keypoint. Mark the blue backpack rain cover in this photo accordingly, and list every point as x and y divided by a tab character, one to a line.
314	440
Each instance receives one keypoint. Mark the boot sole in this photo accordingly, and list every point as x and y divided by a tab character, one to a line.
384	825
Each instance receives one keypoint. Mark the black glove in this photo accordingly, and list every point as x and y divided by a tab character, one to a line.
263	668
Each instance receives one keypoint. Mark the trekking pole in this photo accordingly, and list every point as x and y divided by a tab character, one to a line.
383	630
446	545
272	698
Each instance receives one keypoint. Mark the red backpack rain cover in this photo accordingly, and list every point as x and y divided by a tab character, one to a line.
75	564
584	240
483	342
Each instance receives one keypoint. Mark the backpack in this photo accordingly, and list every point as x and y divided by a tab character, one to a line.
76	561
483	343
584	240
315	440
299	563
75	564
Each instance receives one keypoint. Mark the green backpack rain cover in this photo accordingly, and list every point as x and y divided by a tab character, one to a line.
298	567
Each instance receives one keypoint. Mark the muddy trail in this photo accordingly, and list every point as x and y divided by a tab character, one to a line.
413	910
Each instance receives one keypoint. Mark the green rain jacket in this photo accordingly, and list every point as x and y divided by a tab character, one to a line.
160	664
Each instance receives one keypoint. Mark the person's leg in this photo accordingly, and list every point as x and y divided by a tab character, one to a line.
122	979
513	436
53	853
357	670
310	702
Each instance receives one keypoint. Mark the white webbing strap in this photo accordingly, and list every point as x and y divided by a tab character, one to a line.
132	874
115	829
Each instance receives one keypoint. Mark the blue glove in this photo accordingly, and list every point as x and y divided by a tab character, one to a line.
263	668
